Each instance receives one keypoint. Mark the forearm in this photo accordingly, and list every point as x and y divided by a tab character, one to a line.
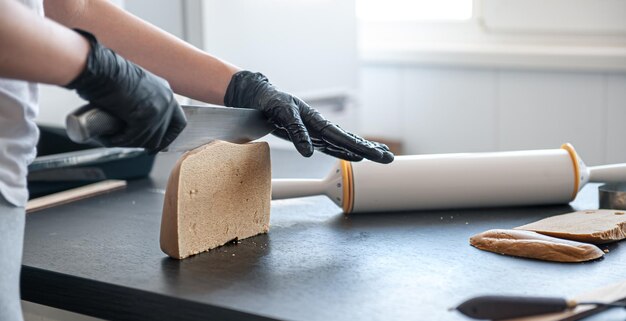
37	49
190	71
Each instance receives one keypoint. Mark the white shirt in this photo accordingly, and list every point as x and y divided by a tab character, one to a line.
18	132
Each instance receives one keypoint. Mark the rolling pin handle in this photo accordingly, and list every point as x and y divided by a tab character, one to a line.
614	173
88	122
292	188
333	186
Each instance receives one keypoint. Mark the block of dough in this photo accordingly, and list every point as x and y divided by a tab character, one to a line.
593	226
216	193
535	246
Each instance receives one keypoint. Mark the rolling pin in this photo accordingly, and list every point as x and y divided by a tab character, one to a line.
447	181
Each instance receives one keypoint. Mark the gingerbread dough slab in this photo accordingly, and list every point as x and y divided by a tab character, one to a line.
215	194
593	226
535	246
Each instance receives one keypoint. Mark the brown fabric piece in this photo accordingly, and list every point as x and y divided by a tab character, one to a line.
592	226
215	194
535	246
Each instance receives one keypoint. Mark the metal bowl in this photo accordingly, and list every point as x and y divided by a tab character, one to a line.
612	196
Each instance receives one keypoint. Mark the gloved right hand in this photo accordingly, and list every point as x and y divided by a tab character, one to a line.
144	102
298	122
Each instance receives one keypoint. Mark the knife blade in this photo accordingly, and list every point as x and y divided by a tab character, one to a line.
204	124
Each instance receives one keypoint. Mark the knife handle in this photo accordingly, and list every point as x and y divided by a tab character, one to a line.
88	122
505	307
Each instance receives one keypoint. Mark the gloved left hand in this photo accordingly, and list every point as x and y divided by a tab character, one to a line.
298	122
142	101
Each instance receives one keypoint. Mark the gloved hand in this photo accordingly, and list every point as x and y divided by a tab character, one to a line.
143	101
298	122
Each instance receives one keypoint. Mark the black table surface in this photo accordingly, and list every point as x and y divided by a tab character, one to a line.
101	257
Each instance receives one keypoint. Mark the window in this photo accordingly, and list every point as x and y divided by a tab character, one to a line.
414	10
572	34
581	17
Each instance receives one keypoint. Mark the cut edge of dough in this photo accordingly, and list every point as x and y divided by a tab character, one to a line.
169	218
169	239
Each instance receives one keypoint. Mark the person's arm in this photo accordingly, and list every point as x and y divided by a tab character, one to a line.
196	74
190	71
38	49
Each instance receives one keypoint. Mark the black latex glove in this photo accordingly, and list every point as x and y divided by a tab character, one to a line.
298	122
143	101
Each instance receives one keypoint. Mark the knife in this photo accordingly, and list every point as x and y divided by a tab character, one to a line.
500	307
204	124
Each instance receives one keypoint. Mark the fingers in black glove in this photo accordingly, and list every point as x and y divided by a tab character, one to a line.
298	122
341	154
252	90
142	101
339	138
290	121
177	123
324	147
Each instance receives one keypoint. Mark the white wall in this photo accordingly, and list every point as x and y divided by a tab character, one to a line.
454	109
302	46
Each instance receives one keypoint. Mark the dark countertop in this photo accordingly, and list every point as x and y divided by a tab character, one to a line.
101	257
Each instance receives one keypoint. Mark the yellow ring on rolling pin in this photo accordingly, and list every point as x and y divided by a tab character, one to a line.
348	186
574	156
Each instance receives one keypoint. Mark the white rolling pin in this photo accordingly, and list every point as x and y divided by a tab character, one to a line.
446	181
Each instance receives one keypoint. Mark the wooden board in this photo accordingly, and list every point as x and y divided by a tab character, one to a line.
74	194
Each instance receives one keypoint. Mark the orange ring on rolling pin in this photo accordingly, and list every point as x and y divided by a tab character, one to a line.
348	186
574	156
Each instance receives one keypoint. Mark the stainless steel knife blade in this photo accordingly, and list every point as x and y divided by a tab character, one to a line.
207	123
204	124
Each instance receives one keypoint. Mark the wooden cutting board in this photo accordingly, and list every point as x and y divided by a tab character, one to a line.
74	194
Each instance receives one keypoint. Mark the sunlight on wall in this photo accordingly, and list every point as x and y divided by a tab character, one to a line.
407	10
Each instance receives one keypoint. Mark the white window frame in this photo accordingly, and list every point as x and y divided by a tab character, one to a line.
505	41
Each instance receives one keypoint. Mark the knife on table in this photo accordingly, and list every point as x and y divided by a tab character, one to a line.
501	307
204	124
